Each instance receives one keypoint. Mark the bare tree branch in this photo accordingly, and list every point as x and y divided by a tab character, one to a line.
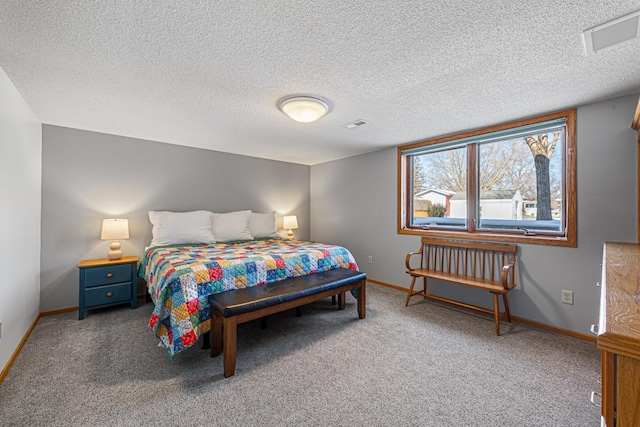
551	149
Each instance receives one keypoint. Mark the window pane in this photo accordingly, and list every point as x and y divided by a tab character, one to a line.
519	190
440	189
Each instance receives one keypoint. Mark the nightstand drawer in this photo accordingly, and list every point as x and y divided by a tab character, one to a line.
106	275
110	294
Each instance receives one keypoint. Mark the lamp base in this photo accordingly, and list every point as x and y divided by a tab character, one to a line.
115	252
290	234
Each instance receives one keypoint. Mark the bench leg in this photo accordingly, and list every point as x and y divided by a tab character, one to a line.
215	336
333	300
229	346
496	312
341	301
413	282
506	306
298	311
424	287
362	300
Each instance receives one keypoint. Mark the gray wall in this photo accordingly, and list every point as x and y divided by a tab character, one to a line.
353	203
20	166
88	176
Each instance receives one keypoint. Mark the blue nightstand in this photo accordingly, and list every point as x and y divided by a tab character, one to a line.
105	282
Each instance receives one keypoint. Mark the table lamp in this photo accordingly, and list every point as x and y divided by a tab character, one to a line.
289	223
115	229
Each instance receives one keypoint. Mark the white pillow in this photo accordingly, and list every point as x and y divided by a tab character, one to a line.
181	227
231	226
263	225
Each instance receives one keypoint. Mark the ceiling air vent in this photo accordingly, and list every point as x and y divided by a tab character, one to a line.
355	124
611	33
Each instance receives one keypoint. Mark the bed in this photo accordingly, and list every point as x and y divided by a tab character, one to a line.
180	277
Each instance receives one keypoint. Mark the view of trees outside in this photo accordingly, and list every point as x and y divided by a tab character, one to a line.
443	170
531	164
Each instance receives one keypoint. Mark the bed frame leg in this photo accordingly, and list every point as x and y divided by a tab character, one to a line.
206	342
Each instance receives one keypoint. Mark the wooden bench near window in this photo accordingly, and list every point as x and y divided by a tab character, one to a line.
489	266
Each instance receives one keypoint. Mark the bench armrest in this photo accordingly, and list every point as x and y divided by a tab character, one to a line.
407	260
505	273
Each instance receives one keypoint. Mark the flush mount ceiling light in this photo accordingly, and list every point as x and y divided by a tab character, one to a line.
303	108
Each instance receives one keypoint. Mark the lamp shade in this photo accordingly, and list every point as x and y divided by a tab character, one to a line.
304	109
115	229
290	222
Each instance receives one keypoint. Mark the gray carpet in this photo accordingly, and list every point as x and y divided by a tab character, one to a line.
425	365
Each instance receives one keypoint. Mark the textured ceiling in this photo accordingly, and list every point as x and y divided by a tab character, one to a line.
209	74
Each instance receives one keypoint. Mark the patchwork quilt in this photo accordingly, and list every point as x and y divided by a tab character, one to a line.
181	277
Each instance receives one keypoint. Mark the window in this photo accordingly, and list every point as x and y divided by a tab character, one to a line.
511	182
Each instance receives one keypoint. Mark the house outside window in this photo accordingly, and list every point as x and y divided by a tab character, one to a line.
510	182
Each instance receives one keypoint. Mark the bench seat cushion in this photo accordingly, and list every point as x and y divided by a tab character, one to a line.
235	302
490	285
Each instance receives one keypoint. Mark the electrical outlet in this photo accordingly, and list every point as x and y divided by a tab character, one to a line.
567	297
370	259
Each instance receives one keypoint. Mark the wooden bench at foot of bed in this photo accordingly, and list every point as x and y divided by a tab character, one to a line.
230	308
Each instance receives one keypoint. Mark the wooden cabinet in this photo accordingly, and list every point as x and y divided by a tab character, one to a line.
619	334
105	282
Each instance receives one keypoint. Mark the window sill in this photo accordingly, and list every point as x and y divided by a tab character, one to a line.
495	237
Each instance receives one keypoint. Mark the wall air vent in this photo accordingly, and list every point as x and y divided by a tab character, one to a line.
355	124
611	33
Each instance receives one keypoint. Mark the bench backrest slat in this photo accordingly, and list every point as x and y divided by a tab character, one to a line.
495	260
466	260
483	262
474	260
